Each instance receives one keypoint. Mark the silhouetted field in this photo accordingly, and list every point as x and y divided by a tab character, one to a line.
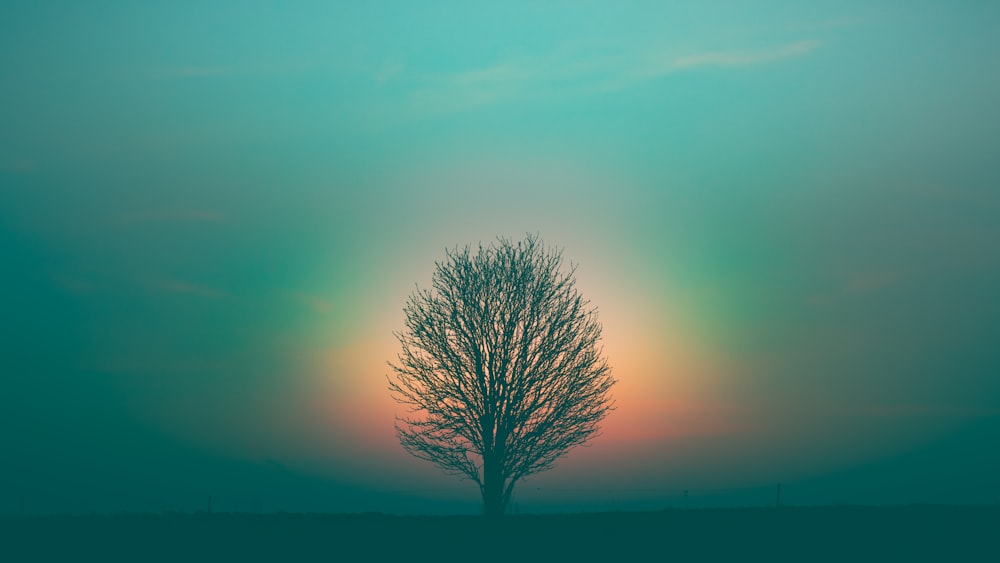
915	533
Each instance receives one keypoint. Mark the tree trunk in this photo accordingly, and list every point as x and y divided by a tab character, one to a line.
493	498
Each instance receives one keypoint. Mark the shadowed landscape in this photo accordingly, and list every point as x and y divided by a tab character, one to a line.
911	533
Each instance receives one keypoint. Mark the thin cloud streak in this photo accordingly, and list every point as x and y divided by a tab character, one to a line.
826	24
315	303
743	57
926	410
228	71
564	74
178	215
180	287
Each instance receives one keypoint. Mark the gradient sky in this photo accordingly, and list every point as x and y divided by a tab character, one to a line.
211	218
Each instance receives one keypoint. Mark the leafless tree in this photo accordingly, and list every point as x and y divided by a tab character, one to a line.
500	367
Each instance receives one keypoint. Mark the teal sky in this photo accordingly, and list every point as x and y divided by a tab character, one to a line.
211	217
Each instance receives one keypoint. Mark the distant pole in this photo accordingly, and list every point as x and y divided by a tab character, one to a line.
777	496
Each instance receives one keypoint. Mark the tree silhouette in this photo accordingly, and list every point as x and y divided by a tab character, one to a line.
500	366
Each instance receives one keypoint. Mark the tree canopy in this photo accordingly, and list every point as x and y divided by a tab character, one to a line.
501	366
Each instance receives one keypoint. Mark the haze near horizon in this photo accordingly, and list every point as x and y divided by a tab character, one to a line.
211	218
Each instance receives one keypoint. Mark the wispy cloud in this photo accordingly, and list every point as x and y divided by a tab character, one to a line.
862	282
181	287
172	215
871	281
227	70
742	57
199	71
921	410
835	23
385	73
571	73
316	303
75	285
18	165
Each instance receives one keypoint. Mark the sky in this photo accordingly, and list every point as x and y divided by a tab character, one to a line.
211	217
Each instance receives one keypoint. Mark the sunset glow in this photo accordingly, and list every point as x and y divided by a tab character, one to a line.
212	217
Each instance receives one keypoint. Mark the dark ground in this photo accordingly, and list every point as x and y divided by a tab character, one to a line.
914	533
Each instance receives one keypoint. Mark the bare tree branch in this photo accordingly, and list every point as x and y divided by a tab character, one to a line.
500	366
